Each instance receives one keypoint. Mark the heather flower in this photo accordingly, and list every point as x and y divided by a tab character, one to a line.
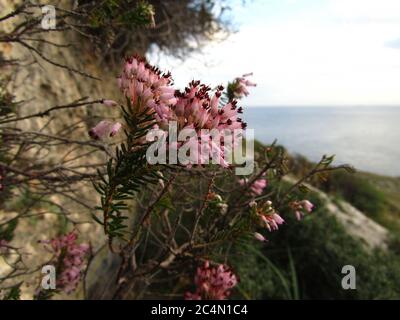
69	259
307	205
196	108
257	187
253	204
110	103
301	207
101	130
147	87
272	221
269	218
259	237
105	129
239	88
115	128
212	283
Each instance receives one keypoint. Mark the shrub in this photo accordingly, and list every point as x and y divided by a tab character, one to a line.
318	248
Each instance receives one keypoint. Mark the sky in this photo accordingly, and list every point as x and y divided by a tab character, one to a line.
305	53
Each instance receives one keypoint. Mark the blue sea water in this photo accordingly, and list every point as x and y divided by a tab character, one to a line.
366	137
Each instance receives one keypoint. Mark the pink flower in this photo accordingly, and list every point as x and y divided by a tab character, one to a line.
192	296
104	129
259	237
307	205
69	257
272	221
269	217
197	108
257	187
115	128
253	204
110	103
301	207
213	283
241	84
101	130
146	87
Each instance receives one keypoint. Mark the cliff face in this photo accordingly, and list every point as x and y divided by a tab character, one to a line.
45	85
356	223
42	85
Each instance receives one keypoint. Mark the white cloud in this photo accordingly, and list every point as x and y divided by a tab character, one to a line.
309	60
375	10
395	44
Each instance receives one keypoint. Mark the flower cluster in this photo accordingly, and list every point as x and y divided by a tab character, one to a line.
301	207
257	187
196	108
268	218
213	283
105	128
147	87
239	88
69	259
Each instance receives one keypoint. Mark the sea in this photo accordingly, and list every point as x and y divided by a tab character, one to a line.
367	138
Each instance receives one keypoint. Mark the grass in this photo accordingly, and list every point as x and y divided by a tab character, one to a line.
390	188
376	196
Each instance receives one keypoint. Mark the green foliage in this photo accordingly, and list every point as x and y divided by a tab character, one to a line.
258	272
232	87
126	14
7	230
353	188
14	293
126	174
121	27
319	248
358	191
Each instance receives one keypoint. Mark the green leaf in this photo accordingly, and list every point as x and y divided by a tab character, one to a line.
14	293
95	218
